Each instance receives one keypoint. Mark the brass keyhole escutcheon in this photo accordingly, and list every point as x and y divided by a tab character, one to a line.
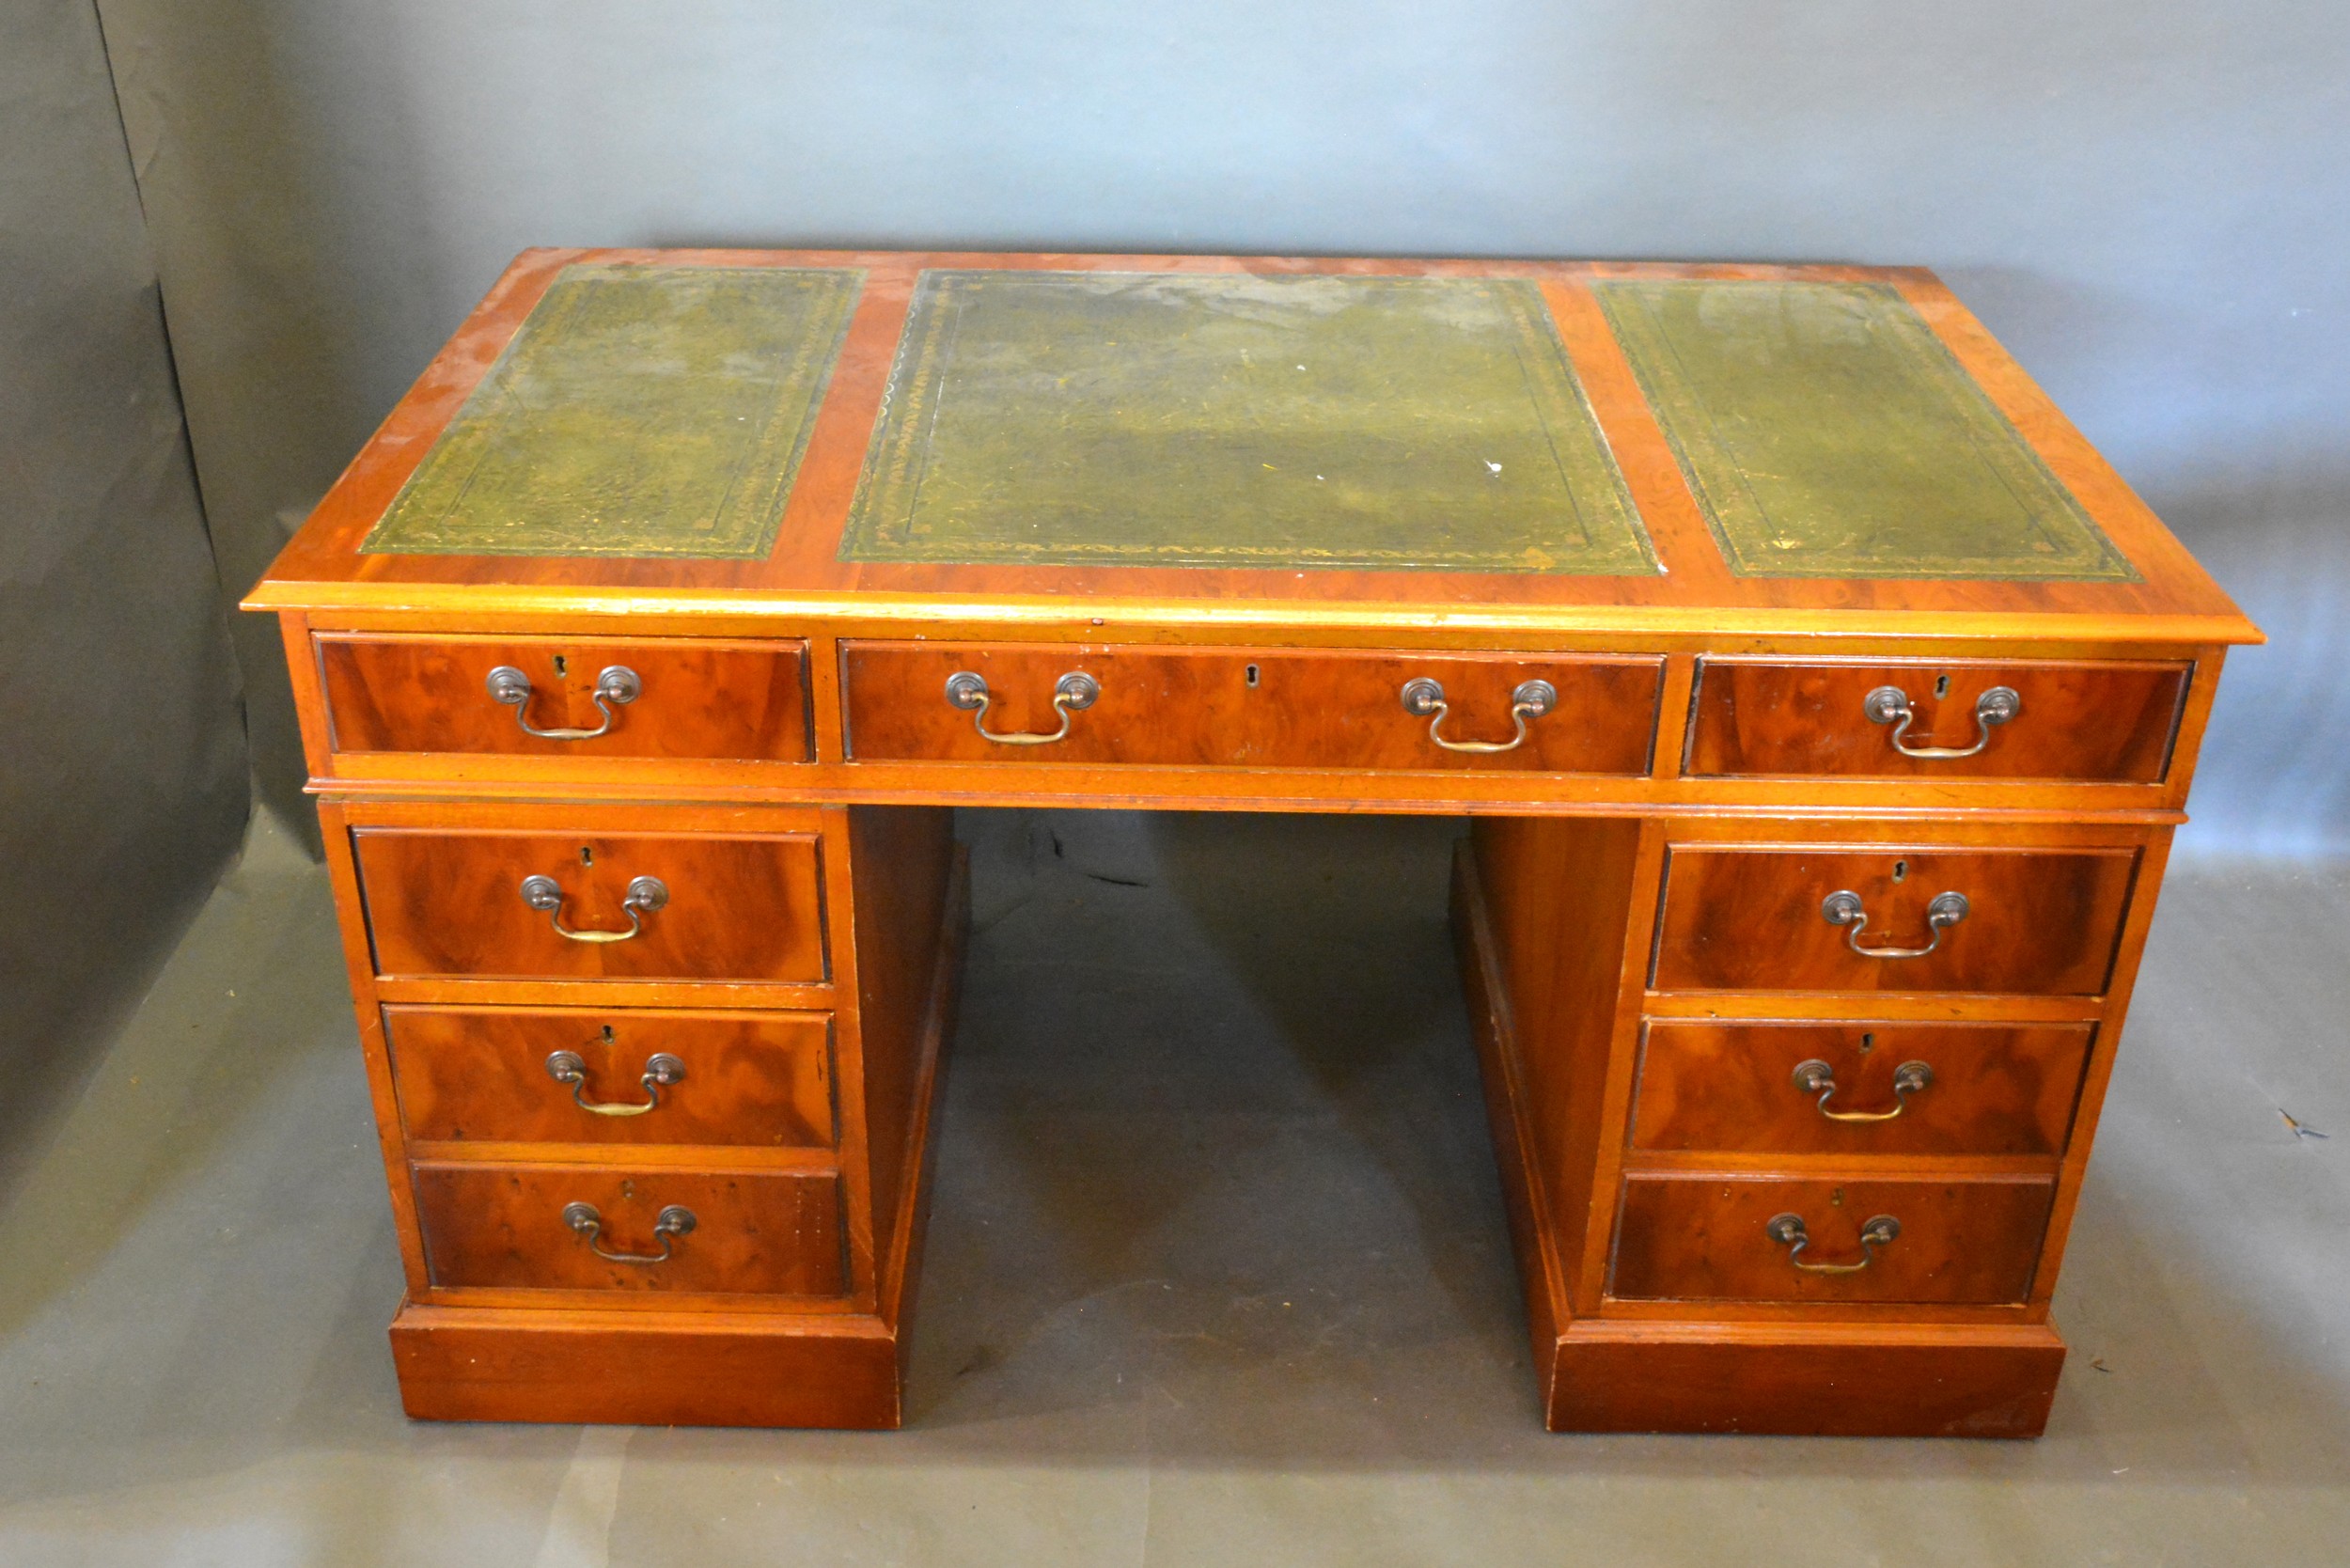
1942	687
1868	1042
1901	870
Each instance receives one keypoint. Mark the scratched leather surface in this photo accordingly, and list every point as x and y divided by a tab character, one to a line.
1159	419
1828	433
640	411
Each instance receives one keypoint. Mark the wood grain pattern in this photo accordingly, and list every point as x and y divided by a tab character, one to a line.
1265	707
702	698
756	1231
2041	921
2105	723
756	1080
1731	1086
1696	1238
448	903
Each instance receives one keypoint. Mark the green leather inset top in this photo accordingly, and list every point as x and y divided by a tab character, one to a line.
639	411
1828	433
1232	420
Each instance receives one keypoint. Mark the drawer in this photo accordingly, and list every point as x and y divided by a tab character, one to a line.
728	907
2087	723
512	1226
1700	1238
684	698
1251	708
1858	1088
501	1075
2041	923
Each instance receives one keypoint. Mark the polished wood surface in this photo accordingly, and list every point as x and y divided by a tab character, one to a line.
1267	708
479	1076
2039	921
1692	1237
755	1232
1992	1090
1639	911
699	698
2110	722
450	903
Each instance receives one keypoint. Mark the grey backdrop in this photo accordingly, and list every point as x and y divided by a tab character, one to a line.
2145	198
122	785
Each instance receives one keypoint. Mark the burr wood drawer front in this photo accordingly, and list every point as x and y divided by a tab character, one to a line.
2109	723
578	697
1857	1088
1867	1239
598	1227
622	1077
2041	921
483	904
1251	708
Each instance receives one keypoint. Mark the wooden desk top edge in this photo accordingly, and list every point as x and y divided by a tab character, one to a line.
323	570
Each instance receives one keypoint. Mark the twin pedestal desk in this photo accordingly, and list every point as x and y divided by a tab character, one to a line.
1820	704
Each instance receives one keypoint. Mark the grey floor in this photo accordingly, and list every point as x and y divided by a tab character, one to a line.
1216	1272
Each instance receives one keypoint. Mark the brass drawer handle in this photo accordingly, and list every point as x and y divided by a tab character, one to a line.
661	1070
617	683
675	1221
645	895
1890	705
1787	1230
1424	699
1817	1077
969	691
1843	908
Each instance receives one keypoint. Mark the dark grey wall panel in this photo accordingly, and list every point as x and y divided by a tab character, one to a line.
2146	198
123	778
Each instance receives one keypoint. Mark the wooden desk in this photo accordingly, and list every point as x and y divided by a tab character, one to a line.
1823	706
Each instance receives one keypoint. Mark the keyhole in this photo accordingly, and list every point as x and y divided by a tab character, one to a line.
1868	1042
586	855
559	668
1942	687
1836	1198
1252	675
607	1036
1900	870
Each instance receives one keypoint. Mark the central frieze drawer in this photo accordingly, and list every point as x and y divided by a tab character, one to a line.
1250	708
679	698
635	1076
590	1228
2033	921
487	904
1735	1238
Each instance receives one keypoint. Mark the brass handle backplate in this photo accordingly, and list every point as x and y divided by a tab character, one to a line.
1424	699
1072	692
661	1070
674	1221
1890	705
1816	1077
616	685
645	895
1788	1230
1844	908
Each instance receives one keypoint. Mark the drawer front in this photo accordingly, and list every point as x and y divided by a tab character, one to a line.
2083	723
1699	1238
499	1076
1251	708
736	700
506	1226
1858	1088
451	902
2039	922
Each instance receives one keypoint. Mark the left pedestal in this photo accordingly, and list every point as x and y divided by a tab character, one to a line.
654	1086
